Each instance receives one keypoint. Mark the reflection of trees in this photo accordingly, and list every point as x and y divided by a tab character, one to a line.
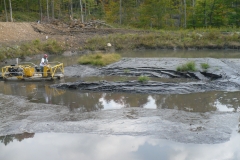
20	88
84	102
128	100
198	102
194	102
90	101
239	125
6	139
9	138
229	99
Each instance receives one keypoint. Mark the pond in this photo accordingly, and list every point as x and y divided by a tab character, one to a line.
72	124
40	92
72	146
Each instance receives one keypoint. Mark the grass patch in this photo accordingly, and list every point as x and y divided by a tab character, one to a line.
205	66
143	79
122	79
52	47
189	66
31	48
182	39
99	59
126	71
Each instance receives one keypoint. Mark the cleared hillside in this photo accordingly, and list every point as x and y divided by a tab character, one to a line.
17	32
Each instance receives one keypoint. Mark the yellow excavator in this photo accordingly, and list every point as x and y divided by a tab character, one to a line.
30	71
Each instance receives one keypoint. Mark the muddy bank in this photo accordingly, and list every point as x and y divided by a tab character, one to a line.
19	116
150	87
223	75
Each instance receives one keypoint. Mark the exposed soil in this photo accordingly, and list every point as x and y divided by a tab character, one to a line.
13	33
16	33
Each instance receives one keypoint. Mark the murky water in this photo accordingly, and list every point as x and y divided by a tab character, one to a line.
72	59
40	92
90	146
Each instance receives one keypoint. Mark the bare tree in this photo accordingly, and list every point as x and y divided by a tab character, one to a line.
193	14
5	8
80	1
236	19
40	9
85	6
211	12
10	6
71	6
120	12
52	9
205	13
47	11
185	14
60	8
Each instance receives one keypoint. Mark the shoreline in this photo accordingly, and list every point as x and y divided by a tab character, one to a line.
80	53
52	39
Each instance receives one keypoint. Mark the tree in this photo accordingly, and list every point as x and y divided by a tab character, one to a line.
5	8
53	9
10	6
81	8
185	14
120	12
47	11
214	13
154	13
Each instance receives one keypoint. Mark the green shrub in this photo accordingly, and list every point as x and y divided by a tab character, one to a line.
36	42
99	59
2	55
210	38
143	79
126	70
31	48
52	47
189	66
205	66
212	35
122	79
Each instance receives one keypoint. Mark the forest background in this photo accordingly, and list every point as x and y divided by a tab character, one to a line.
157	14
125	24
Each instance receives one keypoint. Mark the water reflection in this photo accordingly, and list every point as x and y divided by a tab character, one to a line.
19	137
81	101
96	147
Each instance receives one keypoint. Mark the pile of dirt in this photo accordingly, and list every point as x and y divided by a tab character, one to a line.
11	33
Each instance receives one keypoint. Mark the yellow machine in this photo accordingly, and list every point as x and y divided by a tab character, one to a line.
29	71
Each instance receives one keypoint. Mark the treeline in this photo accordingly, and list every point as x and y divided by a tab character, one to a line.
157	14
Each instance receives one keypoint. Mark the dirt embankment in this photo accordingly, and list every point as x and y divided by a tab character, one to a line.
12	33
16	33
